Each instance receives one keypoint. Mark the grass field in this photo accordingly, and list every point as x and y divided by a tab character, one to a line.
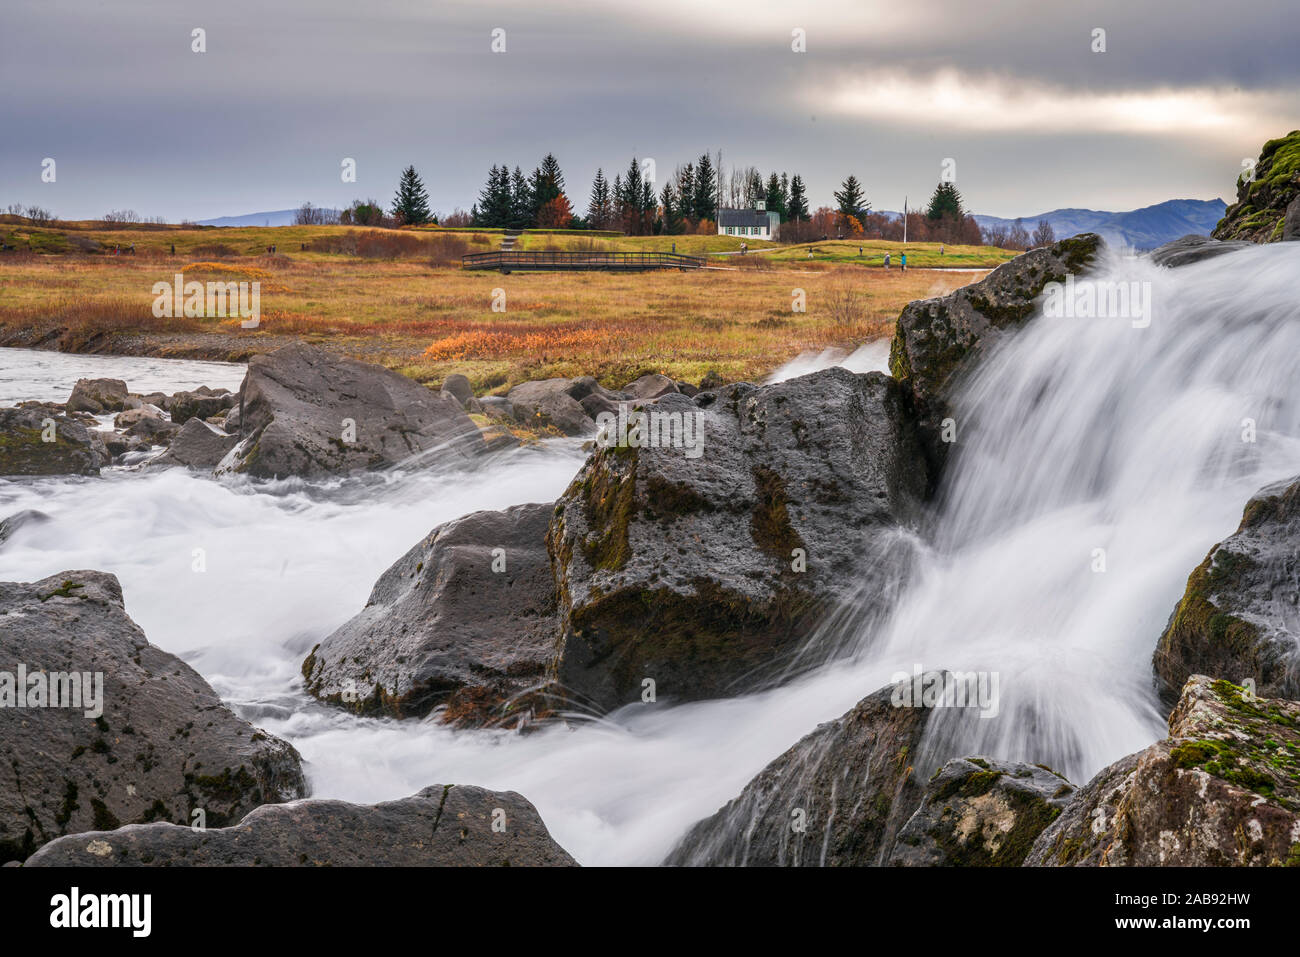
418	312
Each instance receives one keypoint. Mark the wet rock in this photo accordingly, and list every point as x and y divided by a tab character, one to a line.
980	812
1222	790
466	620
124	420
440	826
301	403
704	570
1240	616
1291	225
1194	249
153	430
163	747
546	403
1264	199
98	396
198	445
73	449
937	340
497	407
838	798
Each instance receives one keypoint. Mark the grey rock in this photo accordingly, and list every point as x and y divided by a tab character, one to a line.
438	827
1194	249
75	450
691	571
938	340
594	404
497	407
1239	617
1291	225
153	430
712	380
650	386
231	423
546	403
197	445
163	747
1221	790
458	385
979	812
196	405
98	396
124	420
442	628
838	798
296	401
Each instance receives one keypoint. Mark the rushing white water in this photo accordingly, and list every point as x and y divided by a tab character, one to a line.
1079	434
50	376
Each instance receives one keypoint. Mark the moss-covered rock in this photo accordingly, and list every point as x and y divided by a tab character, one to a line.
1259	215
1222	790
1239	618
938	339
706	573
42	441
979	812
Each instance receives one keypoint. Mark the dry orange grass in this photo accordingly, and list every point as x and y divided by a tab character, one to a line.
429	320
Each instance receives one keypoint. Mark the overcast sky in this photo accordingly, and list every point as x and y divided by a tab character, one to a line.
1011	90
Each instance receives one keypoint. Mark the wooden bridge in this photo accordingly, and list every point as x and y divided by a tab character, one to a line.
543	260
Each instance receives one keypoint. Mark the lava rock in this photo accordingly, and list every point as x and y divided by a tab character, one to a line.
1222	790
98	396
650	386
458	385
466	620
1193	249
197	445
937	340
979	812
1240	615
706	573
1265	199
199	405
441	826
546	403
300	401
75	449
838	798
163	747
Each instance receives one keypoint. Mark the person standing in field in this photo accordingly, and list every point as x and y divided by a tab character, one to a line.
902	262
886	260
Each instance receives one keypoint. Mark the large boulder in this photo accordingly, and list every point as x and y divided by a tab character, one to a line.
1259	215
98	396
148	739
706	568
307	412
1223	789
937	340
458	385
73	449
1194	249
451	826
652	385
198	445
466	620
549	403
979	812
1239	618
199	405
837	798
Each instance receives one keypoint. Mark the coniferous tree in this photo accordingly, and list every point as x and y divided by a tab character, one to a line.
494	207
851	204
522	208
674	222
600	209
946	201
411	204
546	184
775	201
706	189
685	190
797	208
631	201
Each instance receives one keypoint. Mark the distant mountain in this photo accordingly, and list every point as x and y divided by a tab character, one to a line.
275	217
1144	228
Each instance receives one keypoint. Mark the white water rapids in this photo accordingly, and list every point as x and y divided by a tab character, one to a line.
1078	434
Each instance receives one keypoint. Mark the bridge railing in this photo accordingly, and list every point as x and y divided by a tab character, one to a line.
592	259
